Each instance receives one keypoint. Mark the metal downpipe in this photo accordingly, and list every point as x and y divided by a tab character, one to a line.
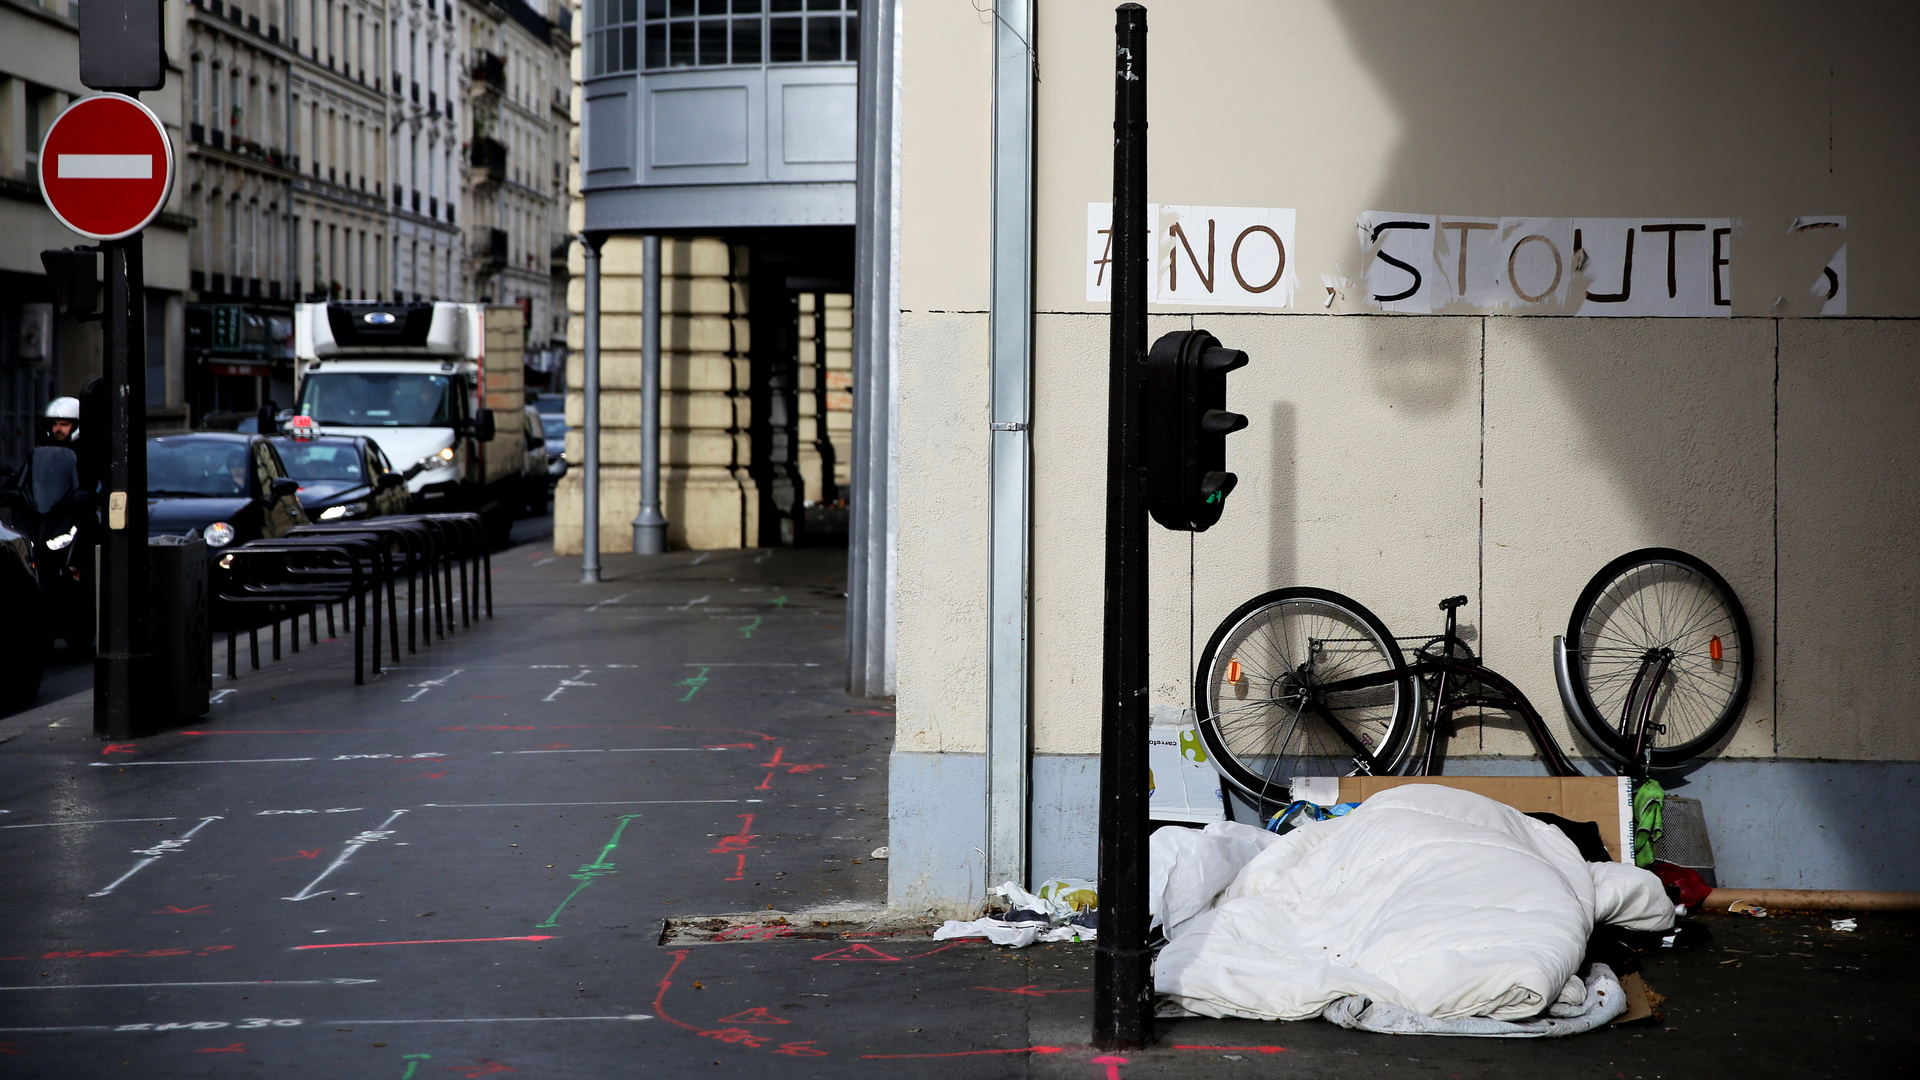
1009	740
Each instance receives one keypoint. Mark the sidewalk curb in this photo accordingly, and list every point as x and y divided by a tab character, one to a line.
72	706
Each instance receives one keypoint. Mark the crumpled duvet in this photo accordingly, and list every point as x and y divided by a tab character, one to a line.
1600	1000
1438	901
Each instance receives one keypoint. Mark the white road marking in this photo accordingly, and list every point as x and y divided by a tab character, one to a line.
110	821
620	802
359	841
253	1025
218	694
613	600
688	606
230	761
430	684
703	557
575	681
154	853
152	985
545	561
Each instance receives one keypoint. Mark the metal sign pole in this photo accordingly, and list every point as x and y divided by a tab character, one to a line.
1122	964
649	525
123	553
590	422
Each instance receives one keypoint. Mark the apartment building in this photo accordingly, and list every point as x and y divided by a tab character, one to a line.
427	168
42	355
238	166
516	204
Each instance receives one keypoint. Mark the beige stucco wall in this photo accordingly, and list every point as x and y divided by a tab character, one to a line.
1401	459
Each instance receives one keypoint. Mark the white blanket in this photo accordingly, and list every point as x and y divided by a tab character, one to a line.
1437	900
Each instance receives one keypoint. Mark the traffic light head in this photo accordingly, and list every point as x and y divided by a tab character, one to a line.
74	274
1187	424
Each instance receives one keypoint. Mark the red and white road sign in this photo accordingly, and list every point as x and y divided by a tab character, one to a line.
106	166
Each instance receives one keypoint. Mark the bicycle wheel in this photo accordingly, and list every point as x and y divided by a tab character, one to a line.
1637	605
1258	677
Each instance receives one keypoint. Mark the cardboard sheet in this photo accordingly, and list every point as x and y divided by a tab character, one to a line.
1601	799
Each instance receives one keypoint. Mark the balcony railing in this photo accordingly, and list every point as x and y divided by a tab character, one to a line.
489	72
488	156
494	253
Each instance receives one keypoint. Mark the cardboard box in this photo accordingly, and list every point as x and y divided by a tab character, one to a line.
1605	800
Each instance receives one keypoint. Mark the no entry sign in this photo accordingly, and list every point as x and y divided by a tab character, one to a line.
106	166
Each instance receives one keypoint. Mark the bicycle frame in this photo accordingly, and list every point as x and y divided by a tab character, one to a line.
1448	673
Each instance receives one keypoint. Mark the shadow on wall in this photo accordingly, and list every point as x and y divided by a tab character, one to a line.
1600	434
1283	519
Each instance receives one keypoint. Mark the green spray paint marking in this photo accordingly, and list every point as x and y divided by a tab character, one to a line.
591	872
780	601
747	630
413	1062
693	684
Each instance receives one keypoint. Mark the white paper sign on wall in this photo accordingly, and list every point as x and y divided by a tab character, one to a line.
1224	256
1831	285
1204	256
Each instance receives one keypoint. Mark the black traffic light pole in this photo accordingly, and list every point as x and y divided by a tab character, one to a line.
1122	964
123	49
123	647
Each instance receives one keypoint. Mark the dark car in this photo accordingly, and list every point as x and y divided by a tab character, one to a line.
553	423
343	477
24	633
228	488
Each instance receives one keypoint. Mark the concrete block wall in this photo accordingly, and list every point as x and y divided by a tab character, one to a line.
704	409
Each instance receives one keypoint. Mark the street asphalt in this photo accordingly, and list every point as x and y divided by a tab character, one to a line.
512	854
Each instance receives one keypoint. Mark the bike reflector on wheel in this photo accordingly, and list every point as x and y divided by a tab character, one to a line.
1233	672
1715	650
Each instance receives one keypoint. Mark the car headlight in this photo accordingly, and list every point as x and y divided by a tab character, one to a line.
219	534
344	510
60	542
446	453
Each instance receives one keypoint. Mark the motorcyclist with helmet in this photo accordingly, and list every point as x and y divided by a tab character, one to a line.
53	500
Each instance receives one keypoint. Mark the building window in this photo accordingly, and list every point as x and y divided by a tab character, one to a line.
195	89
720	33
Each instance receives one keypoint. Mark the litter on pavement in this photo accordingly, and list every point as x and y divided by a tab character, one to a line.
1063	910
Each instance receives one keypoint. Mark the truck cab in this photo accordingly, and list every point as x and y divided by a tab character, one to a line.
414	379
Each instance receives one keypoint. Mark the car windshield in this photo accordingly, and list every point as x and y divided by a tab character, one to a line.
320	460
377	399
204	468
555	426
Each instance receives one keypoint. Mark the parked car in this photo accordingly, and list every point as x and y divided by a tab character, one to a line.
227	487
553	426
538	487
342	476
25	633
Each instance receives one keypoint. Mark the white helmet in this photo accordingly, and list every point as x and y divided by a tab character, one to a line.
63	408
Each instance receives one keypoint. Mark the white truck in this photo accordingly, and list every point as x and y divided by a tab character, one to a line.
417	380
